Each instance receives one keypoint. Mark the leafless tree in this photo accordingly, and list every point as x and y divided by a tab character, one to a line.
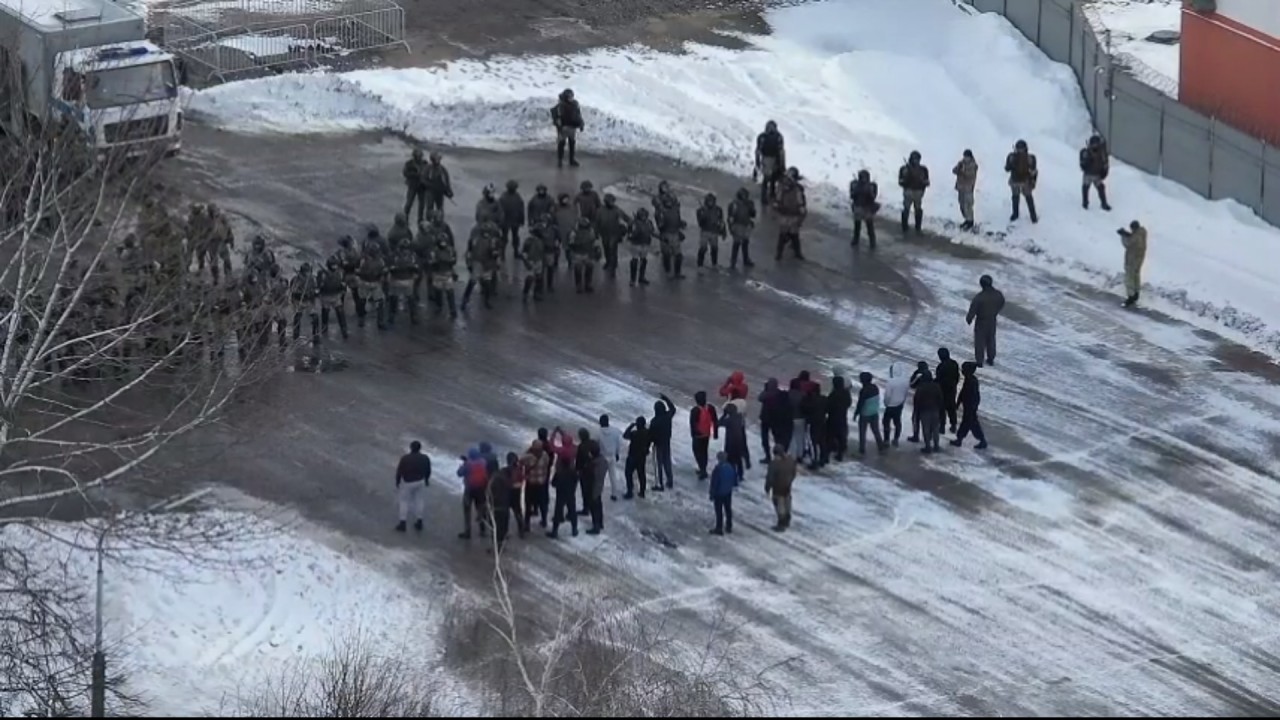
110	352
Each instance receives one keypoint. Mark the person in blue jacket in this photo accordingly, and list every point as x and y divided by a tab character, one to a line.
724	478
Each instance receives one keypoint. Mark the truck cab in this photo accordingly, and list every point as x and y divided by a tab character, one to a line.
123	96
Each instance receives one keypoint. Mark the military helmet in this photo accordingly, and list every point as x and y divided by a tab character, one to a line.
985	281
435	157
304	268
567	94
793	172
771	126
331	263
1020	145
610	198
259	242
664	188
196	207
642	213
346	241
542	189
564	198
586	186
1095	139
744	194
915	156
709	199
371	231
212	208
489	190
864	175
417	153
512	185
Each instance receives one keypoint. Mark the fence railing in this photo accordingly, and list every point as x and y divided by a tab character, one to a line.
1144	125
218	49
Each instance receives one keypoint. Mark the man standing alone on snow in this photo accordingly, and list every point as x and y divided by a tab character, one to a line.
771	158
413	474
1095	165
1023	174
1135	252
567	117
985	307
703	425
970	398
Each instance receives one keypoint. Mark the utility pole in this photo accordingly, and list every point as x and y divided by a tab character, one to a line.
99	686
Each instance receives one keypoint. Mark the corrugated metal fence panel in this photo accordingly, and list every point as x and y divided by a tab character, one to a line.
995	6
1237	166
1135	123
1025	15
1188	147
1055	31
1270	208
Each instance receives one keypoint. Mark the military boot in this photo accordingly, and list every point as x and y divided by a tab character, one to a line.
324	320
1031	209
906	219
677	267
715	256
550	279
635	271
666	263
380	308
1017	207
487	290
1084	196
857	233
1102	197
919	220
644	269
733	256
392	310
451	296
795	246
577	279
466	293
746	255
342	322
588	279
413	312
560	153
702	256
573	152
528	289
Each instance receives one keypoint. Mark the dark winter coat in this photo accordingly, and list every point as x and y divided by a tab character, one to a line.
863	196
770	144
775	406
413	467
868	399
723	480
512	209
638	442
947	373
928	397
566	221
660	425
565	480
970	395
666	214
919	376
794	399
612	223
1095	160
414	173
813	408
838	404
500	486
735	432
742	213
1021	167
913	177
540	206
711	219
985	307
587	450
588	204
780	476
567	113
436	179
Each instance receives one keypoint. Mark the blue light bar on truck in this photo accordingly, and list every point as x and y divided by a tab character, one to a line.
118	53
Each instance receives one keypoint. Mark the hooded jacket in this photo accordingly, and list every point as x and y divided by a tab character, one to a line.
920	373
735	388
838	403
490	457
735	431
638	441
928	397
970	395
703	421
775	406
948	372
660	426
897	388
723	480
512	209
474	471
813	407
868	401
610	440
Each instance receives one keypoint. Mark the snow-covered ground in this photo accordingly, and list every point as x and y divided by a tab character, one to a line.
1130	23
200	636
854	84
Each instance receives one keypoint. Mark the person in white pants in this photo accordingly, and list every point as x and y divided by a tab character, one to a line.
610	439
413	474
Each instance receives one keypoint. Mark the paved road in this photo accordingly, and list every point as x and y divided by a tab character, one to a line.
1113	553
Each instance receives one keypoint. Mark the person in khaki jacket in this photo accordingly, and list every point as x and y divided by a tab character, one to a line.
1135	252
966	172
777	483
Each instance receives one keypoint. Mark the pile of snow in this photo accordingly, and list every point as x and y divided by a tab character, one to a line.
1131	22
198	636
854	84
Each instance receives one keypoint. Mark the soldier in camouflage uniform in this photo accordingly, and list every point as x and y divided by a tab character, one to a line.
348	260
199	235
640	245
584	252
482	262
304	295
742	220
279	302
399	233
332	287
443	261
711	230
612	223
403	277
261	262
222	241
372	275
666	215
534	256
488	209
436	231
226	306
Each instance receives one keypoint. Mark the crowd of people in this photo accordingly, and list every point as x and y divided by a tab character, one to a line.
798	426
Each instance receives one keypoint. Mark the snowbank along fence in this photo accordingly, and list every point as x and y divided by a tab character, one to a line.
1144	126
221	39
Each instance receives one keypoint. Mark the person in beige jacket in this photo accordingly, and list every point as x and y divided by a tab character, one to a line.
778	480
966	172
1134	239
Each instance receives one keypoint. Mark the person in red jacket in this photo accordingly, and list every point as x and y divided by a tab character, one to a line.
807	384
703	425
735	388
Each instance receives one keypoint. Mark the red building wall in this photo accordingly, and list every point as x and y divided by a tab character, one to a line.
1232	72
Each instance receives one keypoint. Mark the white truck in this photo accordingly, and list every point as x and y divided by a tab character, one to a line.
86	66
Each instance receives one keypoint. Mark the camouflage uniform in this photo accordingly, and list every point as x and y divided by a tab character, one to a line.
348	261
534	256
304	296
404	275
611	223
372	275
1023	174
584	248
443	261
793	207
332	287
742	220
711	230
913	178
966	172
640	245
666	215
482	262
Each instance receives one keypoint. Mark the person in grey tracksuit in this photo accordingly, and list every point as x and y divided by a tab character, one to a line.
985	307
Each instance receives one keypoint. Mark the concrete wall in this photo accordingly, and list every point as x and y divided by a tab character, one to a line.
1144	126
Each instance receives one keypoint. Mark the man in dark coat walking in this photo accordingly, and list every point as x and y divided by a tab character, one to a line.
985	307
735	440
947	374
970	398
927	411
775	417
639	440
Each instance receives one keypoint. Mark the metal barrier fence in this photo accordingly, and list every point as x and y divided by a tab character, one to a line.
202	34
1143	125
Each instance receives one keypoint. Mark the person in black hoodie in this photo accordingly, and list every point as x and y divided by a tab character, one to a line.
947	375
584	463
638	439
703	426
565	482
775	417
970	398
839	401
813	406
735	440
920	375
664	411
928	407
